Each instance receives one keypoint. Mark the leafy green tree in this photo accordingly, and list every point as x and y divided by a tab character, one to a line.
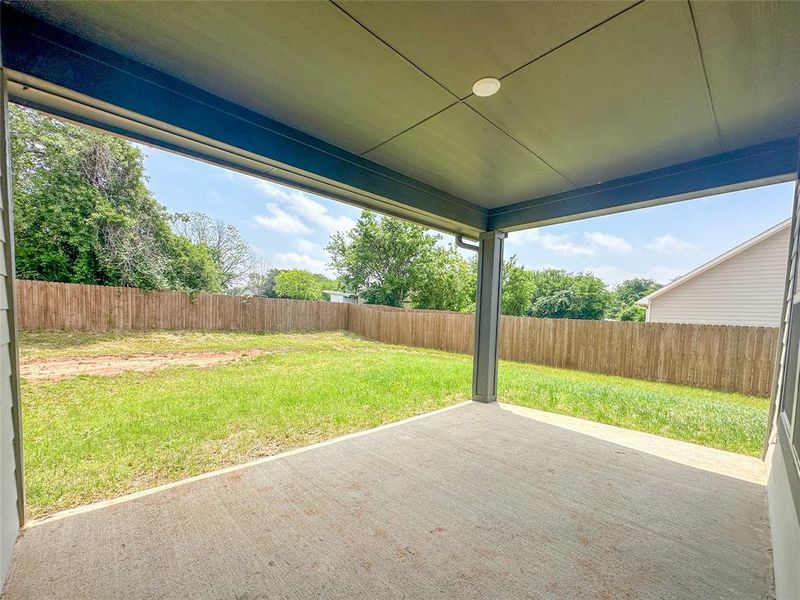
381	257
518	287
192	267
83	213
561	295
261	279
298	284
631	290
326	283
632	313
445	281
626	293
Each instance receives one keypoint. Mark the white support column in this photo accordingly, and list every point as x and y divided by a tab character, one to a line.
487	316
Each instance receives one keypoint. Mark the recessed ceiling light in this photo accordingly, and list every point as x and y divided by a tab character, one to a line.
488	86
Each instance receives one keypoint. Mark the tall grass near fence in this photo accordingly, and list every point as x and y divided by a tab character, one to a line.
721	357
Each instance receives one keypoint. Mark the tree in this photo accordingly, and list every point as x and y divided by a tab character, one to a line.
83	213
230	252
380	258
298	284
625	295
327	283
258	281
561	295
192	267
445	281
518	287
632	312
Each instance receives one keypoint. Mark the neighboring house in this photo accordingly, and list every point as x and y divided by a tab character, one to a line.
744	286
345	297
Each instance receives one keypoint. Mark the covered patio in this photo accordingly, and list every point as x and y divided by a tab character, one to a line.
598	107
475	501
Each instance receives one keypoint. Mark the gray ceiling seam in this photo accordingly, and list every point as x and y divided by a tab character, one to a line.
720	138
409	128
456	99
393	49
564	43
512	138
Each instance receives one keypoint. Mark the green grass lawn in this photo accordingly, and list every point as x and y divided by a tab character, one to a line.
90	438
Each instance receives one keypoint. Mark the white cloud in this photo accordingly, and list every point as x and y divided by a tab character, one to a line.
304	208
611	275
307	247
552	242
669	245
294	260
607	241
279	220
318	214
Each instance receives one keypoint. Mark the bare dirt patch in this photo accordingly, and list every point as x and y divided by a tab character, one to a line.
55	369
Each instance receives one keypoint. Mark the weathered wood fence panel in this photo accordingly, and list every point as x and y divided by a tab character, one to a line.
721	357
52	306
440	330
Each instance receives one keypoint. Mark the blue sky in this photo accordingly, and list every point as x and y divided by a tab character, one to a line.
289	228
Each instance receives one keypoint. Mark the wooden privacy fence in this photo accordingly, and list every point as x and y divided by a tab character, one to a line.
46	306
721	357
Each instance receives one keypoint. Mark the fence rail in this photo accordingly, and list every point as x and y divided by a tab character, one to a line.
721	357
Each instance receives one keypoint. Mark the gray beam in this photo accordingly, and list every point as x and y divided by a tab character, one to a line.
487	316
771	162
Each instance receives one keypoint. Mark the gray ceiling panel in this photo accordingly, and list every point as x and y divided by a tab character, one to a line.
460	151
458	42
306	64
591	91
627	97
751	51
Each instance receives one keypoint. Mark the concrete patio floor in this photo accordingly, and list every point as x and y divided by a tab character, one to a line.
477	501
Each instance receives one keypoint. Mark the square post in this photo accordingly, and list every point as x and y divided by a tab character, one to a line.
487	316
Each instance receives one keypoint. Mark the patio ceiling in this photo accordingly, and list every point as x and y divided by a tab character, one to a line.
603	105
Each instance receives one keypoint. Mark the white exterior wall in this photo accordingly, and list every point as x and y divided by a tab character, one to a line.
785	528
745	289
341	297
9	519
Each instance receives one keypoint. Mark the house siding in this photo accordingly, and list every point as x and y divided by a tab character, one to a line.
9	516
745	289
